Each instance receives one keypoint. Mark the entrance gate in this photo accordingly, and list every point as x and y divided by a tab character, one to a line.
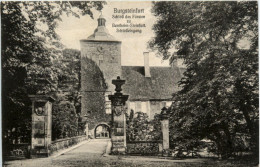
140	138
41	125
102	131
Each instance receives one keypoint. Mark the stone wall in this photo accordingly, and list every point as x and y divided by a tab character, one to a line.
107	55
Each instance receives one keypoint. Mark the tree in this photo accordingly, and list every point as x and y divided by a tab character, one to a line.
219	90
29	47
68	76
67	67
139	128
64	120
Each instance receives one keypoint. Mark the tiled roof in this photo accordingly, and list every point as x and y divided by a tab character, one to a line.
101	34
160	86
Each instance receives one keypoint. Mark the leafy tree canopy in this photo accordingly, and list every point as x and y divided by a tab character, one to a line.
64	120
218	42
30	46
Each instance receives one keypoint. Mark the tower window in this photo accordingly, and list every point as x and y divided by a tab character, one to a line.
100	58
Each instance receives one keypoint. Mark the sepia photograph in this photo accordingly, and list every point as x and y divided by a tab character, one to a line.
129	83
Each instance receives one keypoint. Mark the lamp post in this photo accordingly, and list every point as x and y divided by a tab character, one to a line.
165	130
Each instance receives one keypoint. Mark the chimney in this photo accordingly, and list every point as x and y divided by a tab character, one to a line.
146	65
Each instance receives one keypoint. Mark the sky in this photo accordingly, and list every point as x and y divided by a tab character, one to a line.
72	30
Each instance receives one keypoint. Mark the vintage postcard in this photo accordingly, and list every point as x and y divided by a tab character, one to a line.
129	83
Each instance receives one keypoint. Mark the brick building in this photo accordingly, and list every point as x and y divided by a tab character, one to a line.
149	88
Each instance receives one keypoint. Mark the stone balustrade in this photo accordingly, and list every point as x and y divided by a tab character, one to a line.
65	143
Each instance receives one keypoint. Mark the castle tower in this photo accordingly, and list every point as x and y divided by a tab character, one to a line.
104	51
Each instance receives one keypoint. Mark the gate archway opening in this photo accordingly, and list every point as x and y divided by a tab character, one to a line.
102	131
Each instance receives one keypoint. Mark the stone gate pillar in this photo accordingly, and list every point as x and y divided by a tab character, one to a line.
41	125
165	130
118	135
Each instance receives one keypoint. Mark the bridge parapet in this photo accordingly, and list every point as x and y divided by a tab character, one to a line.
65	143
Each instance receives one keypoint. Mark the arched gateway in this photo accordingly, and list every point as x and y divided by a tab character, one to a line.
102	131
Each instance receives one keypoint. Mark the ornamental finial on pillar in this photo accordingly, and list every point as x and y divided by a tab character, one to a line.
118	83
164	114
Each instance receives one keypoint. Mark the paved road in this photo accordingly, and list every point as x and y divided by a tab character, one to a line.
91	153
88	154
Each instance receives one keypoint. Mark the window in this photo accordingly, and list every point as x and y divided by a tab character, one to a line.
144	107
131	107
100	58
138	106
108	107
166	104
108	103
